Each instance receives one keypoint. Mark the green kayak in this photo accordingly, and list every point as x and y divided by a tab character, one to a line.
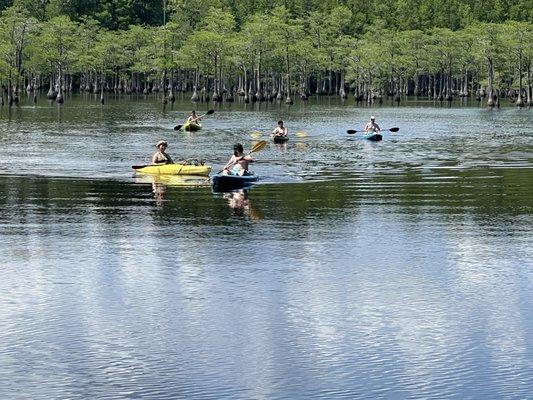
191	127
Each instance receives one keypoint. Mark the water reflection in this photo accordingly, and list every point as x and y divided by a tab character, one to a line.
396	269
161	183
184	181
282	147
241	205
160	191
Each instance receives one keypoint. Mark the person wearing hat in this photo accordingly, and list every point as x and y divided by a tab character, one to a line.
161	157
371	125
238	163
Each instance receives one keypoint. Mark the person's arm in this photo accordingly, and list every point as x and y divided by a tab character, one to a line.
248	158
154	159
366	127
230	163
377	127
285	131
169	159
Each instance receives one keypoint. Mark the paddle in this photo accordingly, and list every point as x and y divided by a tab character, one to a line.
178	127
257	135
256	147
189	161
352	131
152	165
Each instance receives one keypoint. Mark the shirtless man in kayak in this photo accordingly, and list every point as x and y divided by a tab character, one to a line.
371	126
193	118
161	157
280	130
238	163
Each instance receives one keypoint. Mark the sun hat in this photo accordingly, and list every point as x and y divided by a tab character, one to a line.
372	117
161	142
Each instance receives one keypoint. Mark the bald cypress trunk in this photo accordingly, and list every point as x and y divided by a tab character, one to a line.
529	88
195	97
59	97
490	79
342	92
246	97
102	84
519	100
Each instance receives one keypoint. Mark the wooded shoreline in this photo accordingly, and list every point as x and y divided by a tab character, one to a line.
275	54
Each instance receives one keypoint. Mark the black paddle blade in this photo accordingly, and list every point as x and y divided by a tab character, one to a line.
177	127
138	166
351	131
394	129
210	112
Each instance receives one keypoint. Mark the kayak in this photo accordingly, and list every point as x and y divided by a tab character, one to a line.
174	169
230	182
191	126
280	139
375	137
173	180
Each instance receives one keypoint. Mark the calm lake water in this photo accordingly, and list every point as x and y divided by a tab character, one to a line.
398	269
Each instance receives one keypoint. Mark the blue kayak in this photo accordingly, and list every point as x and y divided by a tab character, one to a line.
373	136
229	182
280	139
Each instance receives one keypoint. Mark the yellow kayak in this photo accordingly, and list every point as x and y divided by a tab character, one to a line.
173	169
174	180
191	126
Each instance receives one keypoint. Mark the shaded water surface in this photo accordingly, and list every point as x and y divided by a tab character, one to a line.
399	269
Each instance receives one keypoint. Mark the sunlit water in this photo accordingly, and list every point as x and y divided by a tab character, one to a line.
398	269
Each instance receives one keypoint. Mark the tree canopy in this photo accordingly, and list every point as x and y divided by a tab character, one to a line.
261	48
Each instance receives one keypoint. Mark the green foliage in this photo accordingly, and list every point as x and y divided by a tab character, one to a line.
397	14
16	28
369	40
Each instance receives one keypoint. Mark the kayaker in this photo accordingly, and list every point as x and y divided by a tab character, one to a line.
280	130
238	163
161	157
193	118
372	125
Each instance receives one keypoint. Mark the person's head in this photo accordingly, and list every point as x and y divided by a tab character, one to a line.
161	145
372	118
280	123
238	149
193	112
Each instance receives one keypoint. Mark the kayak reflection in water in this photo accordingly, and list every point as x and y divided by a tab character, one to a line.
372	126
161	157
238	163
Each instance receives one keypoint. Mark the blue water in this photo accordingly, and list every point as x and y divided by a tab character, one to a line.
398	269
